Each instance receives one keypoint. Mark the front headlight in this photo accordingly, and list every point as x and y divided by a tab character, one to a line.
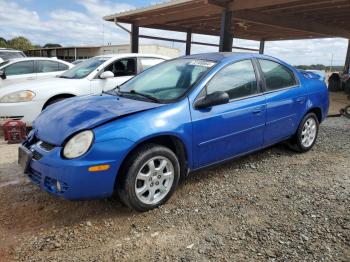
19	96
78	145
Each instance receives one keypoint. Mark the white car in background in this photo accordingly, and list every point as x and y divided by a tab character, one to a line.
18	70
25	101
8	53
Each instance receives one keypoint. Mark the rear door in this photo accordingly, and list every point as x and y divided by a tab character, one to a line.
19	72
231	129
285	100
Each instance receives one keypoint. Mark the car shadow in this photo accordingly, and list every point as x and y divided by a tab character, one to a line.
29	208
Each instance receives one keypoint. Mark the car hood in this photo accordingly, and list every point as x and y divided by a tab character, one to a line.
36	85
59	121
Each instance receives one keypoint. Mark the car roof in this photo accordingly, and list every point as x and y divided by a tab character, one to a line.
9	50
132	55
35	58
219	56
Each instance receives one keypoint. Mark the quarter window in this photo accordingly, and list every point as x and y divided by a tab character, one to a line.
276	75
147	62
20	68
237	80
46	66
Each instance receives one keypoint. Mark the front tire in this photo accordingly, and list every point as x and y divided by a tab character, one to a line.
307	133
149	177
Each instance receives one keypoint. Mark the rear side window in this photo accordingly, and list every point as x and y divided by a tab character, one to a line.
62	67
147	62
20	68
237	80
46	66
276	75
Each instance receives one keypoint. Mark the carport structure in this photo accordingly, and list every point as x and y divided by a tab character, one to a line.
260	20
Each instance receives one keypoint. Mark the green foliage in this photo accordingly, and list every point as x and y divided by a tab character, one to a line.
319	67
3	42
20	43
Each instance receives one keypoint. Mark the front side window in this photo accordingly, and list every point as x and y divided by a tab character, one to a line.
123	67
147	62
276	75
84	68
46	66
20	68
237	80
62	67
169	80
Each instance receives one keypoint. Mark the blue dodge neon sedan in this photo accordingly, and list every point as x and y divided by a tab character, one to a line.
174	118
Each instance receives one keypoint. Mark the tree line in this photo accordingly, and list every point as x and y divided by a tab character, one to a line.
22	43
320	67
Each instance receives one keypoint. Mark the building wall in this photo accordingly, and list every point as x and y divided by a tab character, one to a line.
68	54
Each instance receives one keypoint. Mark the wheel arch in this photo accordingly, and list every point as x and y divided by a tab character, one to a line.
171	141
63	95
317	111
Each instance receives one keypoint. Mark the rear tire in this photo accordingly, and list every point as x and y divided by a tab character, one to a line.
306	135
149	177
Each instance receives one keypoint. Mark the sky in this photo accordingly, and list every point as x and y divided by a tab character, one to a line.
79	22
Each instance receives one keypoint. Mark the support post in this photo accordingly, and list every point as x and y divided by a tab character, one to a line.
75	54
134	41
188	42
347	60
262	46
226	35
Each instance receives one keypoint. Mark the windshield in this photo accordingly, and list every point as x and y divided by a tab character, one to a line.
11	55
84	68
168	80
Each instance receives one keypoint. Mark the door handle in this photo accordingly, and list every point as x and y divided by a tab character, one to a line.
300	100
30	78
258	109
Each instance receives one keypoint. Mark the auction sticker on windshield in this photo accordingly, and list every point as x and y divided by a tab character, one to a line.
202	63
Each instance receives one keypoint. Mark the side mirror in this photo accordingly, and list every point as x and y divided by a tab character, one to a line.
107	74
2	74
216	98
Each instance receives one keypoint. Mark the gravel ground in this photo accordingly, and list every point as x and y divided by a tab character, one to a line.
274	205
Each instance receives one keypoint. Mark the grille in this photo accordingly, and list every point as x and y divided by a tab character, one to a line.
30	141
34	176
46	146
36	155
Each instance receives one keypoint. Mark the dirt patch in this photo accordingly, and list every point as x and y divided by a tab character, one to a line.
274	205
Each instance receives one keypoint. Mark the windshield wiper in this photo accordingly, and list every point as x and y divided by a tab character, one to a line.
64	77
149	97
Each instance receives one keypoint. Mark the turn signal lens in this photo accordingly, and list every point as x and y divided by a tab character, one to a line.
99	168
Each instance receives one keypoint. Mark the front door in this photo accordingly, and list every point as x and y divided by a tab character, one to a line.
285	100
231	129
123	69
46	69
